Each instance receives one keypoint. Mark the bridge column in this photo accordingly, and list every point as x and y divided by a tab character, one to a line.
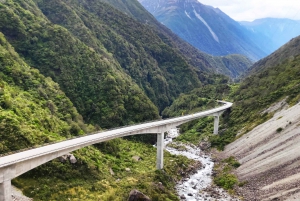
5	191
216	124
160	151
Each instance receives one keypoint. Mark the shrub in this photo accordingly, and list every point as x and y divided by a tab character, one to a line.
226	181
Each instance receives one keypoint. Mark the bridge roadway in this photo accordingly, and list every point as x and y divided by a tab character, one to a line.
12	166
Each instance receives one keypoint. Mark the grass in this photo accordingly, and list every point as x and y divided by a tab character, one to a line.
90	178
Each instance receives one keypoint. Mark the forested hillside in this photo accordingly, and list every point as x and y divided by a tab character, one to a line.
271	80
72	67
33	109
94	82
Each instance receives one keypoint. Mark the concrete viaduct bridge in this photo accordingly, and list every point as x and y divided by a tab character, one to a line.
12	166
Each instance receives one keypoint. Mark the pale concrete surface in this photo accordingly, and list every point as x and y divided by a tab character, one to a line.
160	151
270	159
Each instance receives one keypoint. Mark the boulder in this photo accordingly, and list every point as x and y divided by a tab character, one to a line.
63	158
136	158
136	195
72	158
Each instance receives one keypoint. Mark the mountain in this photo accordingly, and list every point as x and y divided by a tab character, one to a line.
53	81
261	130
280	31
33	108
267	105
98	57
233	66
207	28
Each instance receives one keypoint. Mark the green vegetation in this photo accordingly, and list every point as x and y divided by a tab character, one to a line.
103	94
155	66
47	71
33	109
265	86
224	178
229	65
68	68
198	100
100	174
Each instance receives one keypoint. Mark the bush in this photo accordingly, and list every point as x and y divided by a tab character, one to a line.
278	130
226	181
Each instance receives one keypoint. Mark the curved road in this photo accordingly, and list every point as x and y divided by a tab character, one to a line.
16	164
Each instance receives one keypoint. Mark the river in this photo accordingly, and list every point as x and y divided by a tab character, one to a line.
198	186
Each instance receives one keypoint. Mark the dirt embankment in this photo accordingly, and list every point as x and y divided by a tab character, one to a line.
270	158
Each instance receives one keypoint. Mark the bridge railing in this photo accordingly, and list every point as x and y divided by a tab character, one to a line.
92	133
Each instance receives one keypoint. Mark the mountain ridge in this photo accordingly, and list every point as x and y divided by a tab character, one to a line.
195	57
205	27
278	30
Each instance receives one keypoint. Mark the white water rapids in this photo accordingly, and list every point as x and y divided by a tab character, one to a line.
189	189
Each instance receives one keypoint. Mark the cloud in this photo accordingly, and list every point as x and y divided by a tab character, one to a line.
254	9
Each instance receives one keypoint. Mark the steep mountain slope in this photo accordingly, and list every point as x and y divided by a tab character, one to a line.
205	27
231	67
34	111
139	51
271	151
272	79
262	127
268	151
288	51
280	31
95	82
269	156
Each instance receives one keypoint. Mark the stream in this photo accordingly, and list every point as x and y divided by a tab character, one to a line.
197	187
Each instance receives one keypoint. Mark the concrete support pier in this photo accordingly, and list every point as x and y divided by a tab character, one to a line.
5	191
216	124
160	151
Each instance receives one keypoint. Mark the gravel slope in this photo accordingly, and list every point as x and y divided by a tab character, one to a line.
270	159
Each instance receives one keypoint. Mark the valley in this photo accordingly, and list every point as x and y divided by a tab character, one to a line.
77	67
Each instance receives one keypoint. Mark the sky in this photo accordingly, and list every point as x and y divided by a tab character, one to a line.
249	10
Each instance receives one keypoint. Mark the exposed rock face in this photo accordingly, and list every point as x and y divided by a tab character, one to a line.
270	157
136	195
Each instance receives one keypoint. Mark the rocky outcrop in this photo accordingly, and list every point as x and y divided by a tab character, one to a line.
69	157
136	195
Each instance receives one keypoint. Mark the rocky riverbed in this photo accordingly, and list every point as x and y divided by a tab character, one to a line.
196	187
